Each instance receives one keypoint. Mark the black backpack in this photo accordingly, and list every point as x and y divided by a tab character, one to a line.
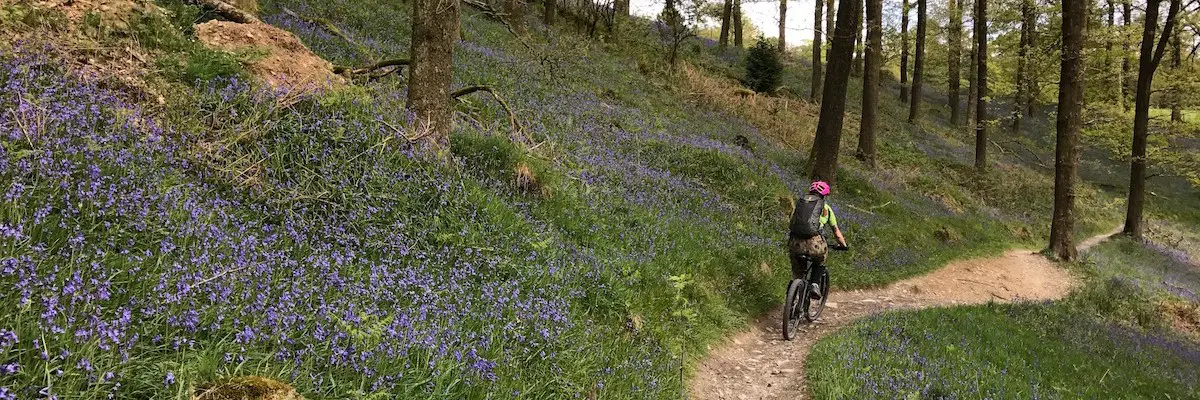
806	219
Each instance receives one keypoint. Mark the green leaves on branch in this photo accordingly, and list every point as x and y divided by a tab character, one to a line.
763	67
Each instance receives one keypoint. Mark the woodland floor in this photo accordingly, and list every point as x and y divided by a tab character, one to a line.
760	364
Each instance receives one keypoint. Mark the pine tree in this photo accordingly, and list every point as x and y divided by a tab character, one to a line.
763	67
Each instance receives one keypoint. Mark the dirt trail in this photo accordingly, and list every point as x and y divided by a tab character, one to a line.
759	364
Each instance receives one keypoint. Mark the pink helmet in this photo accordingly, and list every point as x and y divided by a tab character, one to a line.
820	187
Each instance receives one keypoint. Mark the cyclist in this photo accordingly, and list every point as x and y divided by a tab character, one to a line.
807	230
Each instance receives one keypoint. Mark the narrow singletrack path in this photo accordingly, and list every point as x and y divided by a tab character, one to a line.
759	364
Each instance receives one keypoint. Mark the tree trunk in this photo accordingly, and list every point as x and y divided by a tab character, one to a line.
1176	63
737	24
516	15
1148	61
620	9
1069	123
904	50
1031	85
550	12
824	155
870	97
673	27
1108	48
914	105
954	59
782	26
972	84
814	92
1022	64
435	26
829	21
620	14
981	118
1127	63
857	65
726	14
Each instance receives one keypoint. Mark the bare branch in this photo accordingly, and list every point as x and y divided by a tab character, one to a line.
487	9
395	62
1172	15
512	117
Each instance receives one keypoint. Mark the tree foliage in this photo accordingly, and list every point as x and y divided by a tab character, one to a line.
676	24
763	67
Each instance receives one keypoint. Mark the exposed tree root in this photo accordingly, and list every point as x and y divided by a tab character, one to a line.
408	138
228	11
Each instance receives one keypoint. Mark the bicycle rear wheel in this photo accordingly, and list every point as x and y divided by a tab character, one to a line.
793	308
813	311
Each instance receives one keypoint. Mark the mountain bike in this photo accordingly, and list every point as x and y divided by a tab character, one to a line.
798	305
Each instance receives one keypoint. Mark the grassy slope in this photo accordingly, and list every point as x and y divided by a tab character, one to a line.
1024	351
378	270
1105	340
1078	348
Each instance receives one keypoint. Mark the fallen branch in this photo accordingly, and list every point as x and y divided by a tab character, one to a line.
396	62
859	209
1036	160
880	206
213	278
331	28
1163	175
228	11
512	117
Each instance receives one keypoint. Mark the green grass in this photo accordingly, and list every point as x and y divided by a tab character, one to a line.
1189	116
1107	339
1156	268
1020	351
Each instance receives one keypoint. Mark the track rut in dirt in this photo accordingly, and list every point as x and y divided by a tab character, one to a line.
759	364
